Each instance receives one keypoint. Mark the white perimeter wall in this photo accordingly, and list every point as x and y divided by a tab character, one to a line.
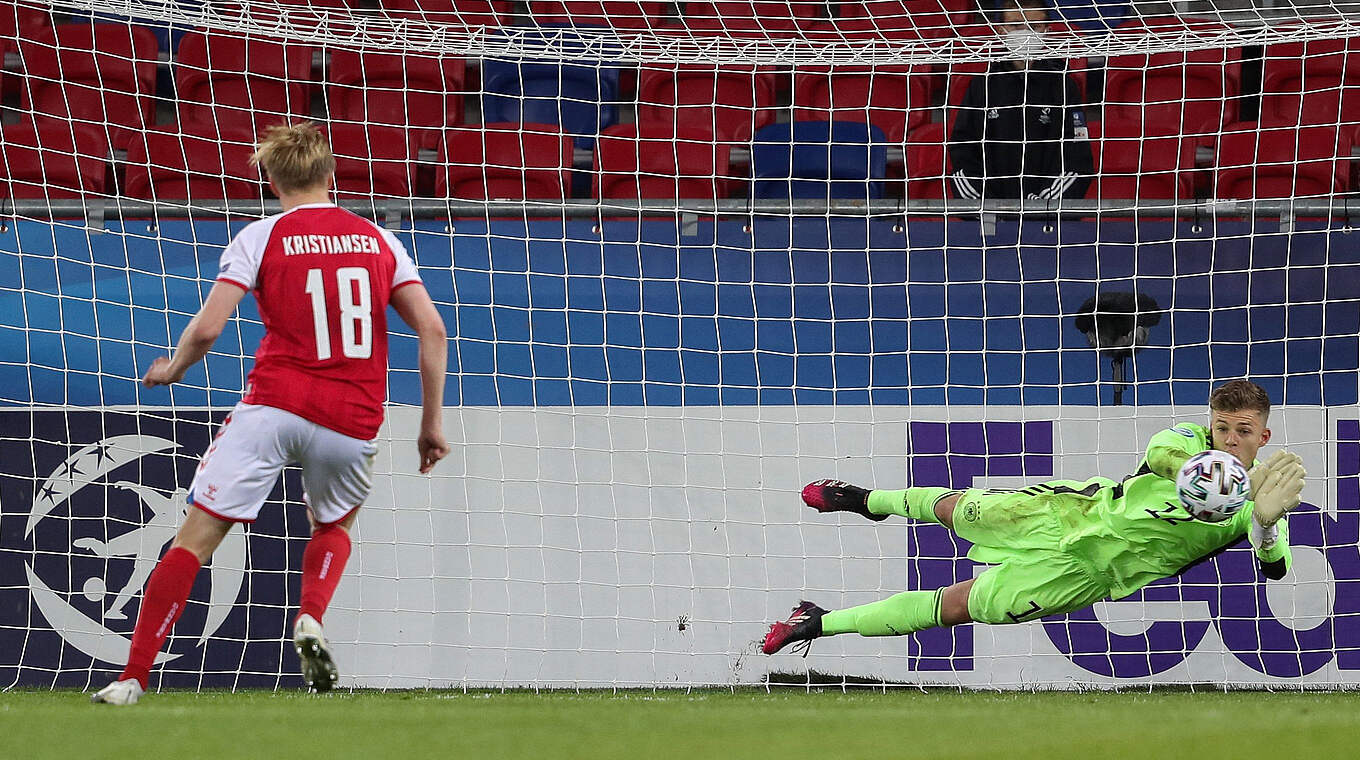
564	546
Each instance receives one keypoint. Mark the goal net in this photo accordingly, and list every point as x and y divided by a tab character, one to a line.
691	257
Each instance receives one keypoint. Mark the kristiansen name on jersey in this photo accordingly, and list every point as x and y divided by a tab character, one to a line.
297	244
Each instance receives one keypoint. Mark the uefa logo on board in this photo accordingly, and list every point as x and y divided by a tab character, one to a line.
98	525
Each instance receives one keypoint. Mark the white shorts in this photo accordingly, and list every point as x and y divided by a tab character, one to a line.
253	446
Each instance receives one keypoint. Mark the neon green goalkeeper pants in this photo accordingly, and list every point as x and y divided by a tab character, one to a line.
1031	577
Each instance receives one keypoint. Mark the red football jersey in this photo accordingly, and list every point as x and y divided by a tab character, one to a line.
322	277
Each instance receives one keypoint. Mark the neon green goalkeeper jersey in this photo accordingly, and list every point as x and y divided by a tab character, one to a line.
1135	531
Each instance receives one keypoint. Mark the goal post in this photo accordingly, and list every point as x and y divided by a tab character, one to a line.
668	311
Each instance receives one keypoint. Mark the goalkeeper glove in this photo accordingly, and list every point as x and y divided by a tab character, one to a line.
1277	460
1281	483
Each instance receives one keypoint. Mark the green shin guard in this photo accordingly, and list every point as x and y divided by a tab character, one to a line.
916	503
903	613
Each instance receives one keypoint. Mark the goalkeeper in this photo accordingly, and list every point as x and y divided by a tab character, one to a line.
1063	545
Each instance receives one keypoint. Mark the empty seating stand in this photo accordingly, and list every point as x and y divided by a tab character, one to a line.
1131	164
237	85
505	161
422	94
896	99
166	163
728	101
580	98
52	158
372	160
102	75
819	159
661	164
1188	93
1260	161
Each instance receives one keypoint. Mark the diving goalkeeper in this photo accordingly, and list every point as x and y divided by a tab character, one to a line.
1063	545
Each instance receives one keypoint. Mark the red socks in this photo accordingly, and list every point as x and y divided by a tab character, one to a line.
322	563
167	591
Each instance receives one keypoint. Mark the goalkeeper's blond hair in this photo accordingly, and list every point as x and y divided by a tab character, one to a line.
295	157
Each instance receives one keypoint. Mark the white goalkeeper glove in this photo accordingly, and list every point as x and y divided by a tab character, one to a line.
1277	460
1276	487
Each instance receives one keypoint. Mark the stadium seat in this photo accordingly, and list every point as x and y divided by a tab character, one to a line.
92	73
372	160
468	12
896	99
1259	161
51	158
505	161
752	19
619	14
164	163
661	164
1130	164
926	163
237	85
19	22
1311	82
819	159
581	99
1173	93
730	102
902	19
423	94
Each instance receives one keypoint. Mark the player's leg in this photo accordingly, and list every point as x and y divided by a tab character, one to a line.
337	473
235	477
1032	586
1023	588
898	615
921	503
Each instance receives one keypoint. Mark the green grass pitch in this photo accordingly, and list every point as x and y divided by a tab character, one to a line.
703	725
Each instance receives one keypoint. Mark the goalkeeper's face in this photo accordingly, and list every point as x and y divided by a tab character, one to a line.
1241	433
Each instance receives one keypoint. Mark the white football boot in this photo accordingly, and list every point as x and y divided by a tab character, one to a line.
318	669
119	693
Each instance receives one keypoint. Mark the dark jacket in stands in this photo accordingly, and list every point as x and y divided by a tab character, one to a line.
1021	134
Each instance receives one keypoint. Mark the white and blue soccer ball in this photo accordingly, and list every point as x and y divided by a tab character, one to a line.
1213	486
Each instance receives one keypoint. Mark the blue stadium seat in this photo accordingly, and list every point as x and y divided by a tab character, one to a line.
581	99
819	159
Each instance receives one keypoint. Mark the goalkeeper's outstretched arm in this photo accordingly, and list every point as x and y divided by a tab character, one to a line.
1168	450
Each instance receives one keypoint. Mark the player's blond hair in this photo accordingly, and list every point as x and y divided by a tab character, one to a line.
296	157
1240	395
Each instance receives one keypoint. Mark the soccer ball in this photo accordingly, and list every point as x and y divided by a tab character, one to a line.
1213	485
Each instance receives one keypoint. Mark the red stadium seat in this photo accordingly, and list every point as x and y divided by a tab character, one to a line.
902	19
728	101
660	164
467	12
1130	164
895	99
505	161
1311	82
419	93
238	86
98	74
1192	93
165	163
52	159
620	14
1282	162
20	21
927	163
371	160
752	19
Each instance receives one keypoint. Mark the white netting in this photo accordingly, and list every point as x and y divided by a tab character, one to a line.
690	260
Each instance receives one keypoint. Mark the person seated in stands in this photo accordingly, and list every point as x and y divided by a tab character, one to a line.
1021	131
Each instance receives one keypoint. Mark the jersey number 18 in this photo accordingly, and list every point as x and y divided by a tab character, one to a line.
356	312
